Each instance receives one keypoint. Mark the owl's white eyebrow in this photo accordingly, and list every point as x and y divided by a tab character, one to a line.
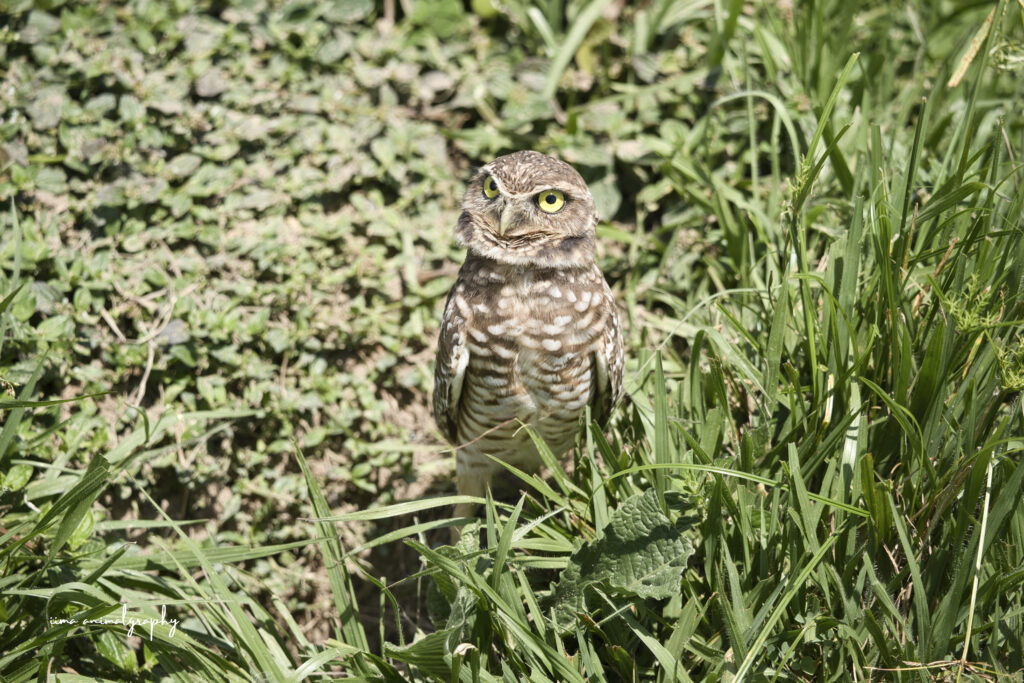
487	172
536	189
533	191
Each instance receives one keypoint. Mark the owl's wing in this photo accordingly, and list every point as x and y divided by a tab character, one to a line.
450	369
607	364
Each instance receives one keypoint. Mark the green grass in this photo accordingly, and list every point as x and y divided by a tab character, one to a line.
226	236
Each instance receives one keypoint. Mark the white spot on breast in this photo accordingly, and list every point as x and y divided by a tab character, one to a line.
557	363
492	381
562	320
576	405
552	329
555	292
481	308
541	395
488	364
478	335
504	302
551	344
570	296
496	330
502	352
586	323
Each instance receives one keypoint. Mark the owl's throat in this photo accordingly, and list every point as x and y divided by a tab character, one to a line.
533	252
533	249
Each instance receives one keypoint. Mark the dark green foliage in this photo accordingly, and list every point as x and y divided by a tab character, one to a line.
224	240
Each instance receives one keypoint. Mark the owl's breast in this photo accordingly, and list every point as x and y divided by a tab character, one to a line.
545	329
532	336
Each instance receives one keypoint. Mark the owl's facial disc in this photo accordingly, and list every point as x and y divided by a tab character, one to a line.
525	215
528	210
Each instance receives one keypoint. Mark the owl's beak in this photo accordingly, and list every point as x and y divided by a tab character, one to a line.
506	220
511	216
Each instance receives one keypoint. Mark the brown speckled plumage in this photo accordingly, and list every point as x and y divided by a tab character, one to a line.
530	331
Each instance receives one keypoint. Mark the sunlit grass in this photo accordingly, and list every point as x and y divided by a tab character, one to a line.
817	243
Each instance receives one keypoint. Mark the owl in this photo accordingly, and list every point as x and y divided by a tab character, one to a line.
530	334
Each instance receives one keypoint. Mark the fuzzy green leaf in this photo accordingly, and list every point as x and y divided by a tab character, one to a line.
642	553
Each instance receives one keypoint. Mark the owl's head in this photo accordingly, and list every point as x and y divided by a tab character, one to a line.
528	209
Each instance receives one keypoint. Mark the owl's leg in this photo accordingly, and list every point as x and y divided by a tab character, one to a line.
471	479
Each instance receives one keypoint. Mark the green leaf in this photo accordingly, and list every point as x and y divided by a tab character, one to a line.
443	17
56	328
570	44
112	647
82	532
642	553
17	477
78	502
183	165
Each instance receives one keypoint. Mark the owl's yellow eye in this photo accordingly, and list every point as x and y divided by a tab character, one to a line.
490	187
551	201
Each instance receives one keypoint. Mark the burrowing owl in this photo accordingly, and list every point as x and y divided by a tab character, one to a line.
530	332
